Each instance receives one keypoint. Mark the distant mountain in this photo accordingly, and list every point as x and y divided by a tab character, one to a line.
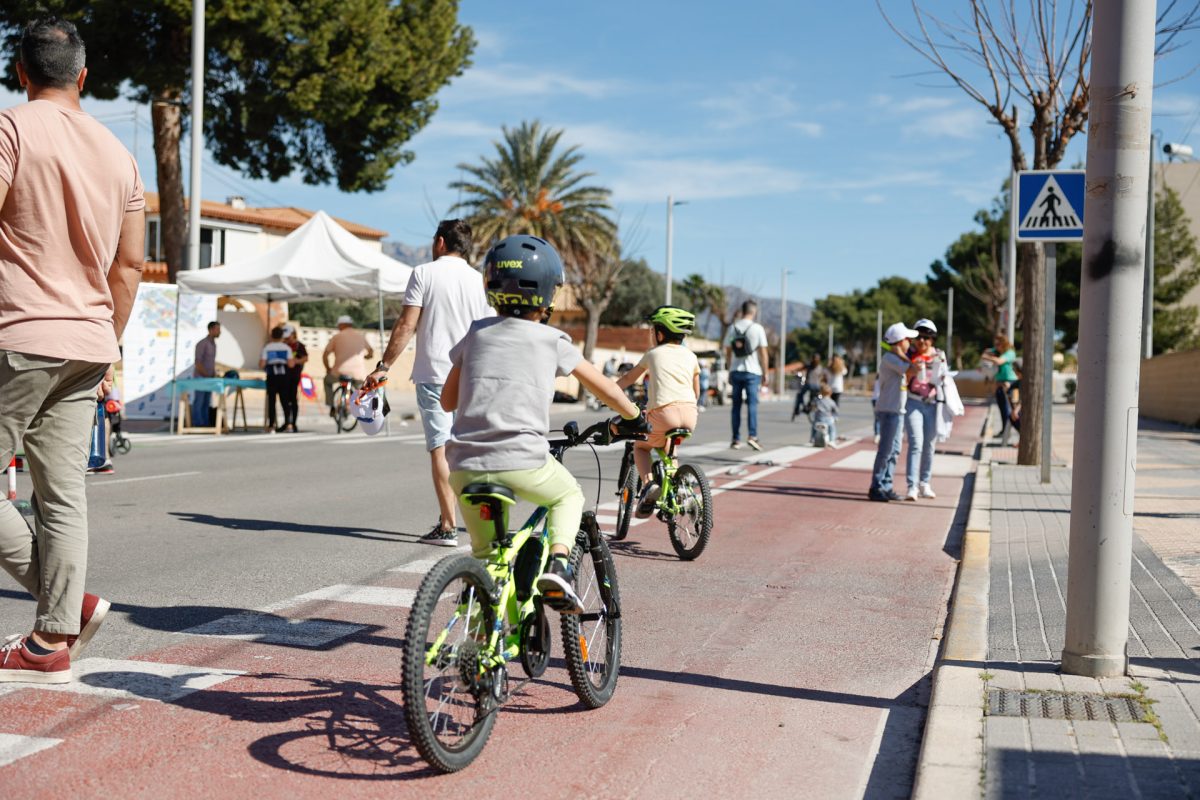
798	314
407	253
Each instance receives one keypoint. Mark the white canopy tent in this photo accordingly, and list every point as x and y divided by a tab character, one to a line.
317	261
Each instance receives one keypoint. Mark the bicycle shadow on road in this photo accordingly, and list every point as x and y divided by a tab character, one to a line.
287	526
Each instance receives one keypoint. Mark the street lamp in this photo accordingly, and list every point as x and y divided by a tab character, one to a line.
671	203
783	303
193	254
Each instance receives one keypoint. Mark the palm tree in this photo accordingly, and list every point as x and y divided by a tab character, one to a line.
529	188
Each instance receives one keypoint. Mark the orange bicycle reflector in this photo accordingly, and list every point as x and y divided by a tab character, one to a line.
485	512
678	440
583	647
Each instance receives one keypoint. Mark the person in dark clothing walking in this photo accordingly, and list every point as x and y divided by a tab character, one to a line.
291	394
276	359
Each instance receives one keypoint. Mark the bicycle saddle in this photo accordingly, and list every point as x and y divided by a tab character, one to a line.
679	433
476	493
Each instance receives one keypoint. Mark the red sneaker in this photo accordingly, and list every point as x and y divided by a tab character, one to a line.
93	613
18	664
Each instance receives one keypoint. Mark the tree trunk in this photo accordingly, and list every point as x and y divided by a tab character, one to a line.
1031	258
167	118
591	329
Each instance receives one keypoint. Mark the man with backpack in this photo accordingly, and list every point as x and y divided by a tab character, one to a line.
746	352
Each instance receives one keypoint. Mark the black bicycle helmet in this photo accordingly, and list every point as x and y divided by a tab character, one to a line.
522	273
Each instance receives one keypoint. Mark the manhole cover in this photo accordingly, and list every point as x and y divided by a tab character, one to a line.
1063	705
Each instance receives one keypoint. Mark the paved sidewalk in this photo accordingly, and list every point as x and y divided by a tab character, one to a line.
1003	721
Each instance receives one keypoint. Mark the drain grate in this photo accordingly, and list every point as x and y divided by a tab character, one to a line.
1063	705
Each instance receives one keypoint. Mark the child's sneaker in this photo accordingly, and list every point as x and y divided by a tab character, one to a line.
442	537
753	442
17	663
912	494
927	491
735	445
555	586
650	494
90	618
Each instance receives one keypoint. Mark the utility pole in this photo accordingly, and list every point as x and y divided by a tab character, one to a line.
1011	250
878	340
193	257
829	353
1148	284
782	329
1114	257
671	203
950	328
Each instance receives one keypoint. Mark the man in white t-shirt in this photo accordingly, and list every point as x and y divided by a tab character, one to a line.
746	352
443	298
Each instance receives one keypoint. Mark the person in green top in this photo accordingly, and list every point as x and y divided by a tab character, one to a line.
1002	356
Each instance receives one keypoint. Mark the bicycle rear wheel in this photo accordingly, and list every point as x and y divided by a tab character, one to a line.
692	525
447	696
625	501
341	410
592	639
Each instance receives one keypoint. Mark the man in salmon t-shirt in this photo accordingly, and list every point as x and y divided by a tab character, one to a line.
72	227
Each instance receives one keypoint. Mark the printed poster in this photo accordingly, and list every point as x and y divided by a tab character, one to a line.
149	346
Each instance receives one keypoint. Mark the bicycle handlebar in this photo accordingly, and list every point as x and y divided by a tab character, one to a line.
598	434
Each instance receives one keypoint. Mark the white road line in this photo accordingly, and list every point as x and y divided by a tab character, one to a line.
253	626
13	746
604	519
92	484
149	680
407	438
345	593
423	565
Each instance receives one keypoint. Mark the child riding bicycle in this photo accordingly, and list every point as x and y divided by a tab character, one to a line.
674	374
500	388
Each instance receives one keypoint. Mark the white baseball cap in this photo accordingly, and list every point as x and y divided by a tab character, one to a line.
288	330
897	332
926	325
345	319
371	409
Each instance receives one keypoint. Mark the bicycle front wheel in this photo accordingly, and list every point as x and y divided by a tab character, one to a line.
625	499
691	526
447	694
341	408
592	639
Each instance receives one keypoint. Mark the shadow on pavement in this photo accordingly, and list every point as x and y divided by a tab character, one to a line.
1012	773
285	526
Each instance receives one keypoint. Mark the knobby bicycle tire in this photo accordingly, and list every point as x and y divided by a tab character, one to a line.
345	420
699	518
594	681
625	502
468	572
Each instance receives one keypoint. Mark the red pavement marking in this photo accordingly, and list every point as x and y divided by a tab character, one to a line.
765	665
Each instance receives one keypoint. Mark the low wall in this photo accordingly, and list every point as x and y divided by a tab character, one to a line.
1170	388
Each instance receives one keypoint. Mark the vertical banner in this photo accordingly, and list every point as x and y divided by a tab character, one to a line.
149	346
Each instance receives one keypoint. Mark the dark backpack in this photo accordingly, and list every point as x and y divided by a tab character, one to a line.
739	344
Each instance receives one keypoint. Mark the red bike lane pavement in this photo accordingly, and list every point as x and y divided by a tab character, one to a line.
789	660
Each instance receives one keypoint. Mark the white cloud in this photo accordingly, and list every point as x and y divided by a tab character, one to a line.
757	102
874	199
956	123
603	139
447	128
701	179
517	80
811	129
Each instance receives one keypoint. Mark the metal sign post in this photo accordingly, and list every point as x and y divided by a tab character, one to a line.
1049	208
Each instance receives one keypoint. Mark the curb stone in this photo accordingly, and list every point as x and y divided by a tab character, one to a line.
951	762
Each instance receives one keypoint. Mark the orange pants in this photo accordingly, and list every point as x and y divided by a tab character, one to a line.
662	419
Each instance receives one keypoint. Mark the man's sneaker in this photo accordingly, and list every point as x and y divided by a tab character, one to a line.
555	586
649	497
891	495
753	442
735	445
877	496
18	664
912	494
927	491
441	536
95	609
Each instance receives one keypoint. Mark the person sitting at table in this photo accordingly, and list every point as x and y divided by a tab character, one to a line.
206	367
276	360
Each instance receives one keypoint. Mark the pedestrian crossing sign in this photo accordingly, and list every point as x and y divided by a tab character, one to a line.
1050	205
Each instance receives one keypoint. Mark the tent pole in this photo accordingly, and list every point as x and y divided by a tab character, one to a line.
175	361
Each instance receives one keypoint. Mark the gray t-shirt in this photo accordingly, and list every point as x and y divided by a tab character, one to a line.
506	378
892	396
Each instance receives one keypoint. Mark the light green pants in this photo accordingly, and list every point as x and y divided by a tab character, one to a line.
550	485
50	404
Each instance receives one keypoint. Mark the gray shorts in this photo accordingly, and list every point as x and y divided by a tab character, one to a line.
436	420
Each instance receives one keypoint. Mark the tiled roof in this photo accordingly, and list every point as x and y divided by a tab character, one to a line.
285	218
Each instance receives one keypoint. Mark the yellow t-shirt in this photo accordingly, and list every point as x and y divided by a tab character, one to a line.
672	368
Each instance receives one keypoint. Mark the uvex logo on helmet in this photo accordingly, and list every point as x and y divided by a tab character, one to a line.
510	264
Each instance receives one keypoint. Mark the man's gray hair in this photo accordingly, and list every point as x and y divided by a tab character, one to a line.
52	53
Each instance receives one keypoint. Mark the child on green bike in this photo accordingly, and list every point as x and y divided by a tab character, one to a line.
674	390
500	388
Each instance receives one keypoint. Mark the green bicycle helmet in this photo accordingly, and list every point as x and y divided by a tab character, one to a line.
673	319
522	274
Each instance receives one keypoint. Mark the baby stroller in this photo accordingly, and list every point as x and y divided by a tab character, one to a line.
118	442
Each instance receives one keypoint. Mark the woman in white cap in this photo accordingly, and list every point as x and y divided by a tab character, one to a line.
921	410
894	371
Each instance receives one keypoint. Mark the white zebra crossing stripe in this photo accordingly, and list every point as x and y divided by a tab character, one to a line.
14	747
344	593
148	680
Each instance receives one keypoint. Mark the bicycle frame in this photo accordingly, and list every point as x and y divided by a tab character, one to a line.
663	470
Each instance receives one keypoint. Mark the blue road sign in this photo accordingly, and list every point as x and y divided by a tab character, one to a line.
1050	205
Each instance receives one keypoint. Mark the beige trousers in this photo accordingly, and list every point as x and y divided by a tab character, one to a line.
49	404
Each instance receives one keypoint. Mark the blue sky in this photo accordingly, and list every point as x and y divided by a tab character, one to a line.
802	135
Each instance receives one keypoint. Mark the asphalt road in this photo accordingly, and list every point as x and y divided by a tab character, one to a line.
789	660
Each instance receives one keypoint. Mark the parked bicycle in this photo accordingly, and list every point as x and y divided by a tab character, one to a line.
685	503
471	617
343	409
